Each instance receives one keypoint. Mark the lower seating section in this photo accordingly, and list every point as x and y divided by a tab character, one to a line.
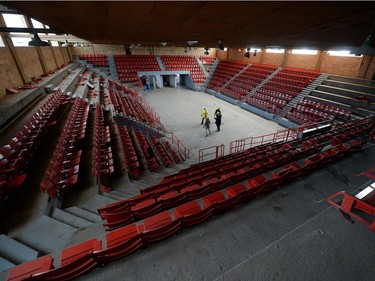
127	66
224	71
307	111
95	59
129	154
250	166
62	173
262	169
102	151
184	62
207	61
147	151
360	206
22	148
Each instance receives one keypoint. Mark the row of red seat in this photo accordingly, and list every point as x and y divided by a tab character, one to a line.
80	259
186	62
146	150
62	173
335	111
161	151
103	166
262	104
95	59
192	183
129	154
313	114
18	153
207	61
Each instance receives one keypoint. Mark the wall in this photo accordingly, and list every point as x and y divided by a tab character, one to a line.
343	66
9	76
370	71
48	57
302	61
30	62
57	51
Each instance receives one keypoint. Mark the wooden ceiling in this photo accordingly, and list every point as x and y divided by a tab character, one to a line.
317	24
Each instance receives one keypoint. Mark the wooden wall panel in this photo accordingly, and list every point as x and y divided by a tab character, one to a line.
9	76
30	62
58	55
48	58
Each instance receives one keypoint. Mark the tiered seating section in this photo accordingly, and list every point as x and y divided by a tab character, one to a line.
62	173
281	89
184	62
139	150
20	150
95	59
295	158
239	87
207	61
103	166
127	66
224	71
307	111
220	185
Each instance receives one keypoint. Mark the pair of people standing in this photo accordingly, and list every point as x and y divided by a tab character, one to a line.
206	120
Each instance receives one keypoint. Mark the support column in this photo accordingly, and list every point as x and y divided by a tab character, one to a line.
363	68
9	44
284	61
262	52
38	50
320	56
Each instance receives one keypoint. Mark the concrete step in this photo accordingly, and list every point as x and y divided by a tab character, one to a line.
114	196
121	194
69	219
84	214
44	234
96	202
14	251
5	265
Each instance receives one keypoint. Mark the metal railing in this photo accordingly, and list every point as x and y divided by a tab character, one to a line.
212	152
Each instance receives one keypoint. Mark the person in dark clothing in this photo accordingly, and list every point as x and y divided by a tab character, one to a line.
217	116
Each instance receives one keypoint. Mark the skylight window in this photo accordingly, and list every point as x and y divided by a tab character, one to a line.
37	24
1	42
304	52
274	50
340	53
15	20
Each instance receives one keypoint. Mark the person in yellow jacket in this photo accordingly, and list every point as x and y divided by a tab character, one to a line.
204	114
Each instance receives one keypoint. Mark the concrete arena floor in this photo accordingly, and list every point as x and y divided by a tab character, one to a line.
180	110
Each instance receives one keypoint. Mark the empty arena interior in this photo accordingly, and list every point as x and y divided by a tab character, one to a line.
106	172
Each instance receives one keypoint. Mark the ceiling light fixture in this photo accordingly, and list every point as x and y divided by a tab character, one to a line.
220	46
192	42
65	44
206	51
255	53
36	41
247	53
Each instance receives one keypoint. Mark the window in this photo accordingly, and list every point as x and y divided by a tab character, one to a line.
14	20
37	24
54	43
20	41
340	53
304	52
274	50
1	42
255	50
